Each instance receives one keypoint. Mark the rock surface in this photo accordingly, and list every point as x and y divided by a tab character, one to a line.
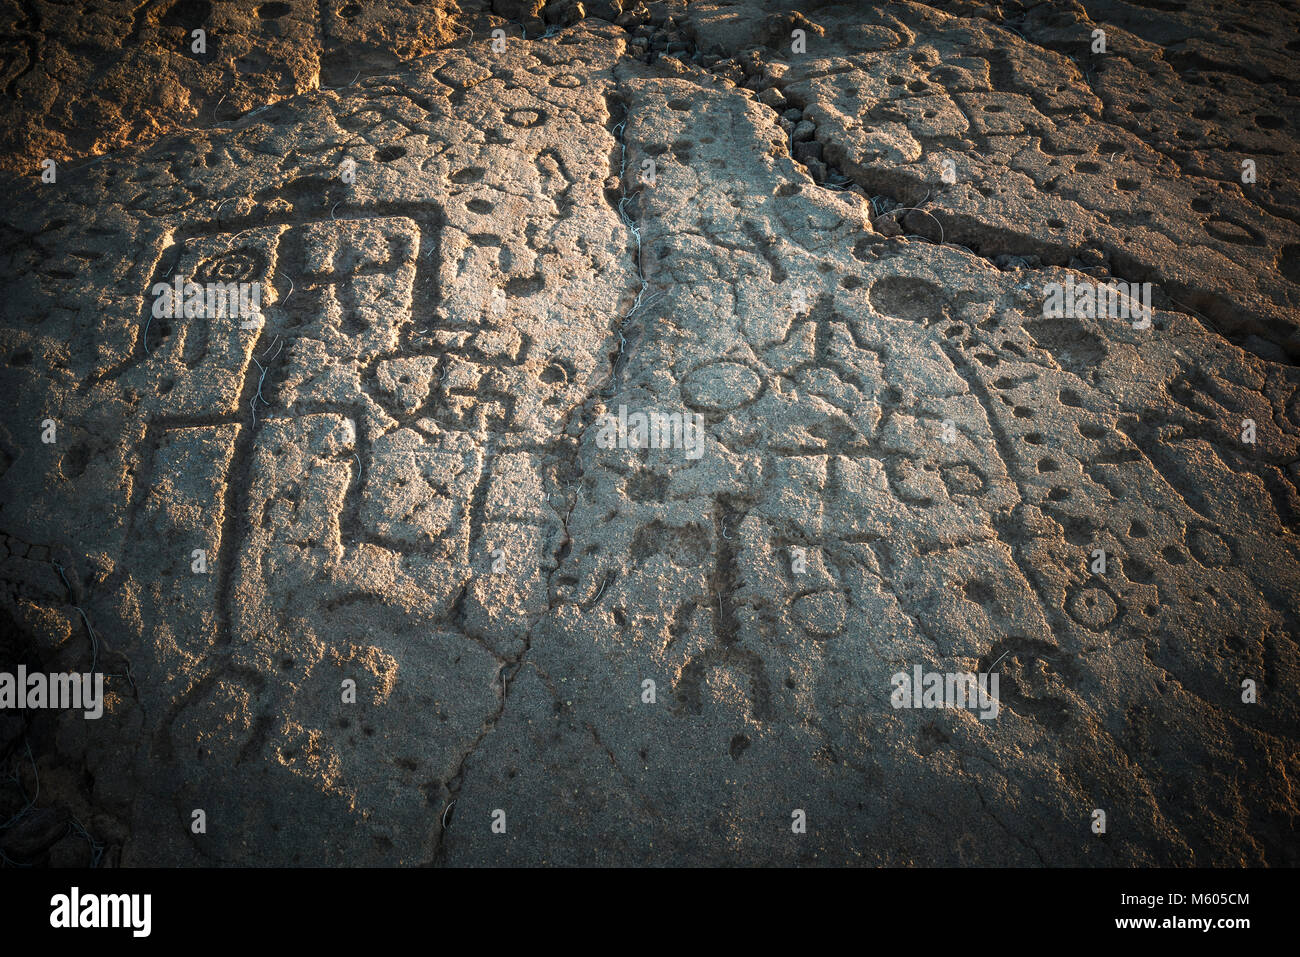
836	258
